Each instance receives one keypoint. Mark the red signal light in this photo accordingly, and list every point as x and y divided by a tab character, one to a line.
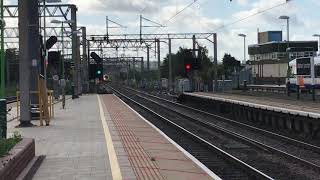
188	66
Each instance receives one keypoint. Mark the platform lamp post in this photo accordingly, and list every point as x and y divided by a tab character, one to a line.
62	80
318	35
70	33
45	53
244	47
287	18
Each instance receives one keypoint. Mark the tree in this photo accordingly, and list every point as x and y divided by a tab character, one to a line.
177	61
178	69
207	68
230	64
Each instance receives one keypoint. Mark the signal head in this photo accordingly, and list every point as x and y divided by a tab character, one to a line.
188	66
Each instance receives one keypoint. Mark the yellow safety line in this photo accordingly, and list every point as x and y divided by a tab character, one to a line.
115	168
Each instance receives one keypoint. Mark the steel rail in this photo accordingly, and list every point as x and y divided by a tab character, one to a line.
239	136
251	170
269	133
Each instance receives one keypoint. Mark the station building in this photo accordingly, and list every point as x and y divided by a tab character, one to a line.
269	58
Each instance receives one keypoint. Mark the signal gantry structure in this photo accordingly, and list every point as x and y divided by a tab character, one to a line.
104	43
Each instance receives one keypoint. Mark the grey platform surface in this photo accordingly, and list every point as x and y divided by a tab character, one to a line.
74	143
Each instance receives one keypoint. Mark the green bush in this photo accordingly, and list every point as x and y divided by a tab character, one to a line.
7	144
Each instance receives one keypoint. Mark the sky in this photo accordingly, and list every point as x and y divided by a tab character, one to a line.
204	16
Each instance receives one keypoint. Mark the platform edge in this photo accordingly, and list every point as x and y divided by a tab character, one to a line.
113	160
196	161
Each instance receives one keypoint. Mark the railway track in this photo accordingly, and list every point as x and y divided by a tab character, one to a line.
221	162
241	125
263	152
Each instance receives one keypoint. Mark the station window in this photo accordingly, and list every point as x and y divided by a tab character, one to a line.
293	55
309	54
300	54
282	55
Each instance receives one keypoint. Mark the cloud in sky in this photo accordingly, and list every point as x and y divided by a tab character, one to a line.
202	16
197	18
118	6
242	2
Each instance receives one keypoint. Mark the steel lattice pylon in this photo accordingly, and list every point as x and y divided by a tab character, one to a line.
57	11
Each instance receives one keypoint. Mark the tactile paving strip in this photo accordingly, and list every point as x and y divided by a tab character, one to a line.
140	160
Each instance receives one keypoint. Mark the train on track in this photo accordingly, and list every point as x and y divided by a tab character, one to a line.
305	72
107	78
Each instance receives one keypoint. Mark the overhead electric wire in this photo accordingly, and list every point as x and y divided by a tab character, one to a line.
232	23
223	26
179	12
250	16
160	25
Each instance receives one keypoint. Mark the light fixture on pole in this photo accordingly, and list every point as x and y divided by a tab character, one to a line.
287	18
244	48
54	21
76	77
72	32
318	35
45	53
62	79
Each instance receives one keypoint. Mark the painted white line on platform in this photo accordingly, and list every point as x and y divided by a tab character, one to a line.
195	160
114	164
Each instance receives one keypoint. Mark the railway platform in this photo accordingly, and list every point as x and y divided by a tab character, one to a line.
308	109
280	113
100	137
